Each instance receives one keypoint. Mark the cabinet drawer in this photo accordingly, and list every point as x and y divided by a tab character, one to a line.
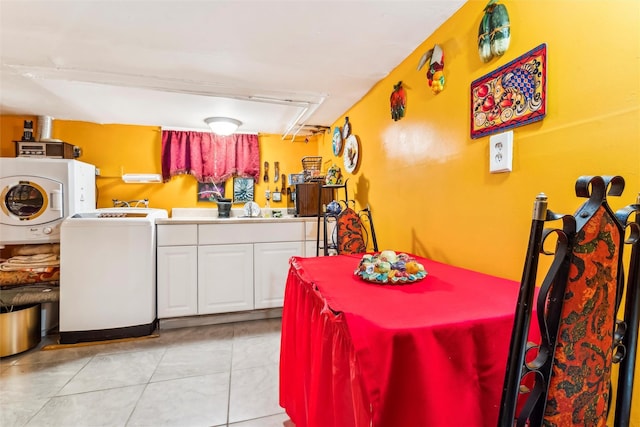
177	234
214	234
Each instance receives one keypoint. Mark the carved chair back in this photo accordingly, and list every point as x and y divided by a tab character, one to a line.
353	232
565	379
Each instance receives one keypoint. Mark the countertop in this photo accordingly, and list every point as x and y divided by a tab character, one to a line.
233	220
210	216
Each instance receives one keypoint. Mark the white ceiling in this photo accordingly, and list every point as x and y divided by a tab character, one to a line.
274	65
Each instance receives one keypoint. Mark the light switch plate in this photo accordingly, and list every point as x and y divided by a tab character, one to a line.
501	152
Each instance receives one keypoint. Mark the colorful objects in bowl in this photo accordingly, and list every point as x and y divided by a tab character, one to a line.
389	267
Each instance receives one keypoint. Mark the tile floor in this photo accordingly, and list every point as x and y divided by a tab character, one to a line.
218	375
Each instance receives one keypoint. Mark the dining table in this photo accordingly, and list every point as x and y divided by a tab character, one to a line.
429	353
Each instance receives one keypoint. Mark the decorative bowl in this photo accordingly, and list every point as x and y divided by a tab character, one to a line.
390	268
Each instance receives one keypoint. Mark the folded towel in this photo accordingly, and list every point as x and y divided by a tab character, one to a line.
30	262
46	248
36	259
30	268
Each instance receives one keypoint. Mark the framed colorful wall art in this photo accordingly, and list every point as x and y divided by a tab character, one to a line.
513	95
243	189
210	191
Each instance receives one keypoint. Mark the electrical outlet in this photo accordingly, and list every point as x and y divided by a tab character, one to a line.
501	152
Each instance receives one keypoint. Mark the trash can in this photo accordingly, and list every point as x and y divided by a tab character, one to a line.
19	329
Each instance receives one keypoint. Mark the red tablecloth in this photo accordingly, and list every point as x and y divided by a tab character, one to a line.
427	354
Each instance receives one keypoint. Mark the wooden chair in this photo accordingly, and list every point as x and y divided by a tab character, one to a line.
565	379
352	231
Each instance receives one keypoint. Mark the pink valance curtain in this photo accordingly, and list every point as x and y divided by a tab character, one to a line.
209	157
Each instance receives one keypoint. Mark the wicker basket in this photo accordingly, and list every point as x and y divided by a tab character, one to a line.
311	166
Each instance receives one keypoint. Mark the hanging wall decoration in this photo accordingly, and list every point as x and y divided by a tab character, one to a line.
351	154
513	95
346	129
337	141
494	33
398	102
210	191
243	189
435	73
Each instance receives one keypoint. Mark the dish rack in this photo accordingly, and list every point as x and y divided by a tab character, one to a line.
130	203
311	166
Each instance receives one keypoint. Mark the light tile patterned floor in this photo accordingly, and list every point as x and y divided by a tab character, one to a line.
218	375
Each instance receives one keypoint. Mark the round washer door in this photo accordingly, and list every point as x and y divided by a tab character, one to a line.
30	200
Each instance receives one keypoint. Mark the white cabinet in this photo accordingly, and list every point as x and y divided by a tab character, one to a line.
223	267
177	265
311	245
177	281
310	248
271	266
225	278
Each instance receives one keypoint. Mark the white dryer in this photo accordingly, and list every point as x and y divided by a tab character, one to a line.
36	195
108	274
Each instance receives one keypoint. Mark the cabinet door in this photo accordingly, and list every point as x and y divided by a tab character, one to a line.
225	278
271	269
177	281
310	248
311	236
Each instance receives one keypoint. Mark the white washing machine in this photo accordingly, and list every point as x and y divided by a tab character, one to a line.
108	274
37	194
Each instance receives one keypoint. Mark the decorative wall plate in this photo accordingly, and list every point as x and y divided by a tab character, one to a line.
337	141
351	154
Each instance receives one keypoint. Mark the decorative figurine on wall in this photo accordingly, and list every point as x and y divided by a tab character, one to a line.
494	33
398	102
346	128
435	73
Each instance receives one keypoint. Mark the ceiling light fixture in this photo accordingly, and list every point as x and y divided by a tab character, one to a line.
224	126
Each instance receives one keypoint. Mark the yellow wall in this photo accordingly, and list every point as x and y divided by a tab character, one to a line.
428	182
118	149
